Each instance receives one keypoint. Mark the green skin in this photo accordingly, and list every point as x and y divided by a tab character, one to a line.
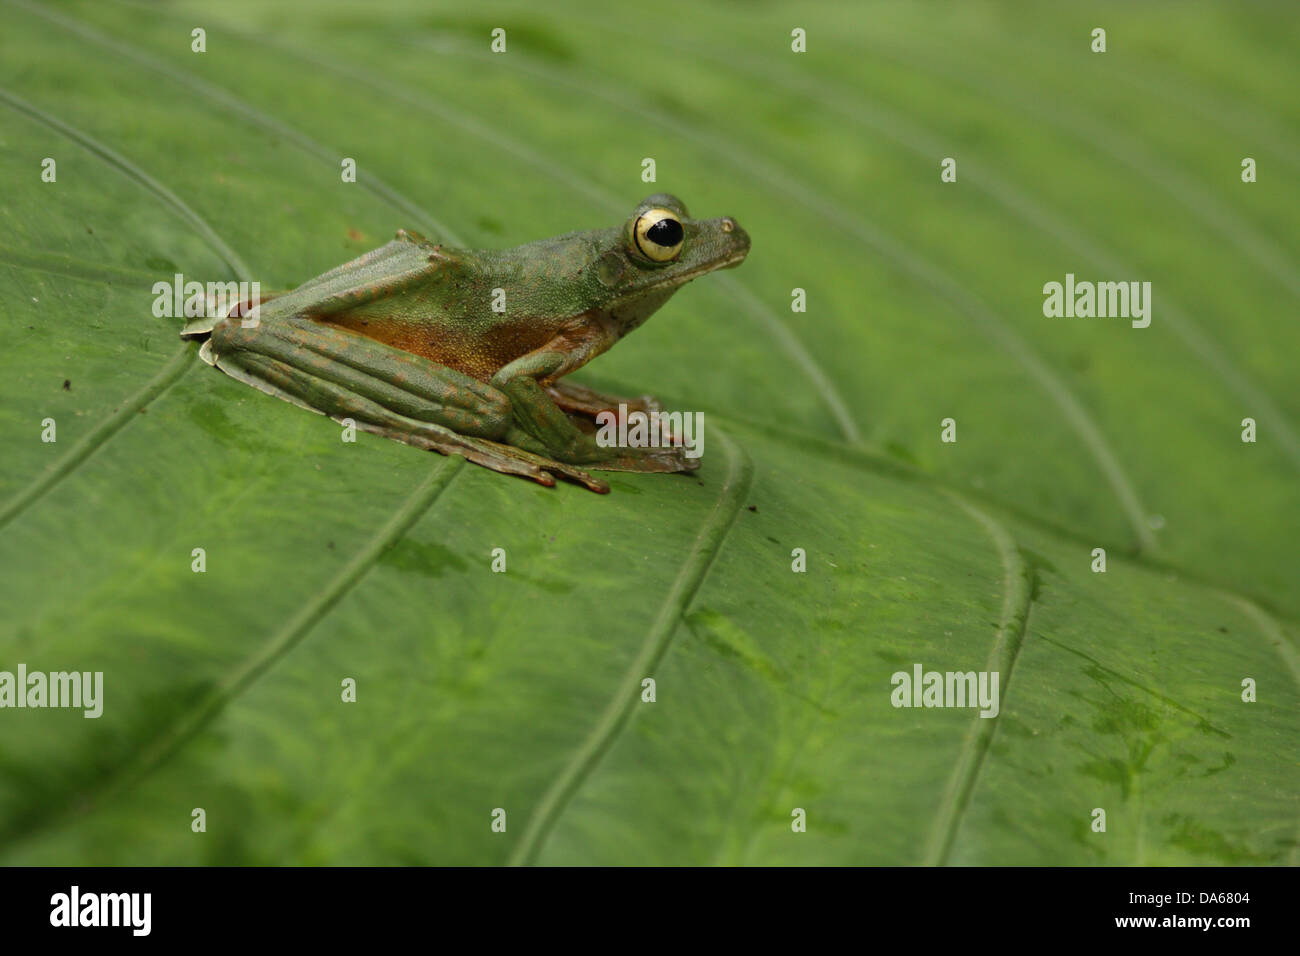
404	341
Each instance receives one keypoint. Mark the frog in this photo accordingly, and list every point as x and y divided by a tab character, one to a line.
463	351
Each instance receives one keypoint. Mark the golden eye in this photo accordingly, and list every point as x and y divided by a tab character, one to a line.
658	235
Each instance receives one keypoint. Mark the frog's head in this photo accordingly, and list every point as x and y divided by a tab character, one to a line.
660	248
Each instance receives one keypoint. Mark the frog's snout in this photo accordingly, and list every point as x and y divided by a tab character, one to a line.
737	239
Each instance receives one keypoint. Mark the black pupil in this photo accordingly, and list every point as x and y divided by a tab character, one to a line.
666	232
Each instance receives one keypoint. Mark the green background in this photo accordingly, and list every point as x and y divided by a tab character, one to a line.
521	690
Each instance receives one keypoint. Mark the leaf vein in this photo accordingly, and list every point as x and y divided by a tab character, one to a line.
1017	597
618	712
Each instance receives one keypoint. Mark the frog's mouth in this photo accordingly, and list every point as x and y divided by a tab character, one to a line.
735	259
667	287
728	262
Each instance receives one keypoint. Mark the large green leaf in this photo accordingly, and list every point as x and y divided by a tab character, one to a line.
522	690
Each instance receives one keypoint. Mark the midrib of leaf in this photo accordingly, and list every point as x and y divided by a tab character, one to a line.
1012	627
618	712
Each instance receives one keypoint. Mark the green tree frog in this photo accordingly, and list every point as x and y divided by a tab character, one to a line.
462	351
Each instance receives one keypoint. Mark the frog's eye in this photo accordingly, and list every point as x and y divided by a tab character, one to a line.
658	235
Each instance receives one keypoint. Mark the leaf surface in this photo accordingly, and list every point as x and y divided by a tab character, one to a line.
523	690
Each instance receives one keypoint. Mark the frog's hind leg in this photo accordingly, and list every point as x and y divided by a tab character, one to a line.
506	459
328	396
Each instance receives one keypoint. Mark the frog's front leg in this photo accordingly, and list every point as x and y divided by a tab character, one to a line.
549	430
383	390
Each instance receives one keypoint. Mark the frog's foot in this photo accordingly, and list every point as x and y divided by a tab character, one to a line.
573	397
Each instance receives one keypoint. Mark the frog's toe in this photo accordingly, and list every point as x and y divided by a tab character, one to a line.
588	481
651	460
577	476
